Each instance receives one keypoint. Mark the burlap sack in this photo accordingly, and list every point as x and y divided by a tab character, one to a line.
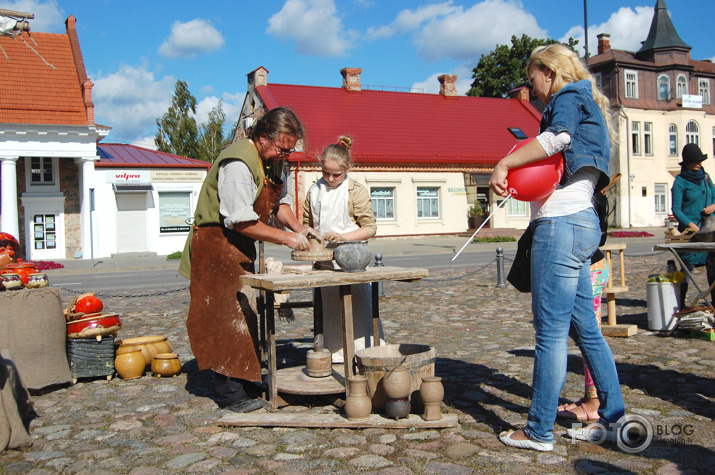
33	328
14	406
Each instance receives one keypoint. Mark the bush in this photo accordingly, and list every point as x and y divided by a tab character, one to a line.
175	255
494	239
44	265
475	209
626	234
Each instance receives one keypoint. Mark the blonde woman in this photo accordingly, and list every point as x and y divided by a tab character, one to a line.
340	209
566	231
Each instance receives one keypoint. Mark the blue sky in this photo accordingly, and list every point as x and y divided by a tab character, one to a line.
135	51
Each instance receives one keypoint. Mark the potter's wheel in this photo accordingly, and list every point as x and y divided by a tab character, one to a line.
315	255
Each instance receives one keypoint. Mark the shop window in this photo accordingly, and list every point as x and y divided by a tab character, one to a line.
636	138
428	202
673	140
660	192
681	86
383	203
631	84
174	209
663	88
692	133
648	138
44	231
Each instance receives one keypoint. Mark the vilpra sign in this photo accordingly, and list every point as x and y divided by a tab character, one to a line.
132	177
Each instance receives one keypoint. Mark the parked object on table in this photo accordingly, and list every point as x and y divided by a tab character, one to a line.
352	256
11	281
372	361
358	405
83	304
91	358
166	364
432	393
319	364
662	297
397	392
149	346
130	364
37	280
94	326
23	269
317	252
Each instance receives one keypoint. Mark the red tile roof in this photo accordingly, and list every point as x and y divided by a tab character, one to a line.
130	156
401	127
33	92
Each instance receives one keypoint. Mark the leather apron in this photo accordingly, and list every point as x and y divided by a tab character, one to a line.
223	322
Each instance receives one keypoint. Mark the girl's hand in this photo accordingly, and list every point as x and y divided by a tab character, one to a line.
332	236
709	209
693	226
497	182
297	242
310	233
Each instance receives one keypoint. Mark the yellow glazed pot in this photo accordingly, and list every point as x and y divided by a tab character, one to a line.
166	364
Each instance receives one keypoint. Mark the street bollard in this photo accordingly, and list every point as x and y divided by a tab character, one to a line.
501	280
378	263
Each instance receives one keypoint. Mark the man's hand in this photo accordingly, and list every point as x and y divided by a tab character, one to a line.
332	236
311	233
298	242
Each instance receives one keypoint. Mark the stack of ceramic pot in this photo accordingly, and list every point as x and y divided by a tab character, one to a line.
397	391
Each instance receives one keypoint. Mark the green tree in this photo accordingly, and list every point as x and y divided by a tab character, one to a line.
212	139
504	68
178	133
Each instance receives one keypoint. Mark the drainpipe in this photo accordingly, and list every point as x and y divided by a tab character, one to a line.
621	112
297	209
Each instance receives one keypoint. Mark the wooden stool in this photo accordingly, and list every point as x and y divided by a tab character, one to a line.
613	329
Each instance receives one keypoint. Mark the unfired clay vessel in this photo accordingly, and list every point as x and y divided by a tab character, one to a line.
431	393
358	405
352	256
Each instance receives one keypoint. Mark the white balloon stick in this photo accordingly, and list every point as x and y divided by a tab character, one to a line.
480	227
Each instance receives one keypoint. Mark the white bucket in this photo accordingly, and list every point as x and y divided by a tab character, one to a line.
662	299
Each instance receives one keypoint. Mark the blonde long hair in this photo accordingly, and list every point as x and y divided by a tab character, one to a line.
568	67
340	152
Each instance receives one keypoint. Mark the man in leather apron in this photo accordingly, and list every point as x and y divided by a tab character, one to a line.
242	189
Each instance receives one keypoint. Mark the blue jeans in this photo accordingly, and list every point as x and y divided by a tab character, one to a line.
562	304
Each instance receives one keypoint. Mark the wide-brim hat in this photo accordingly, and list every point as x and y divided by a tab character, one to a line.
692	154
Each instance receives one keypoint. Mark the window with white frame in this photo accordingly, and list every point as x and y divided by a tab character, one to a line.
44	231
515	208
660	193
598	79
704	90
631	84
636	138
41	171
663	88
673	140
681	86
692	133
383	203
427	202
648	138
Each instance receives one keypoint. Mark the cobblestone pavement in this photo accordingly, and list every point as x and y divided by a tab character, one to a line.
484	342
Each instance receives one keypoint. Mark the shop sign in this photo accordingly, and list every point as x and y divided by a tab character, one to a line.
128	177
177	176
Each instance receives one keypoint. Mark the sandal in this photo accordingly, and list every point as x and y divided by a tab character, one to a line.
505	437
574	414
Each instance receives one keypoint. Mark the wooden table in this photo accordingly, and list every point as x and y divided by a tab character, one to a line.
674	248
287	281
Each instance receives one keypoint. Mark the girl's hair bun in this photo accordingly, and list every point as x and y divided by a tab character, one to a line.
345	141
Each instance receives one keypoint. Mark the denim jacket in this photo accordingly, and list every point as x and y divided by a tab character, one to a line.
573	110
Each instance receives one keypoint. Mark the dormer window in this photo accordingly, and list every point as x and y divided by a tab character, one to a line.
631	84
663	88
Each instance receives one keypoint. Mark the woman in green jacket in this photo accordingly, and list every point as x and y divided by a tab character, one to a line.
693	198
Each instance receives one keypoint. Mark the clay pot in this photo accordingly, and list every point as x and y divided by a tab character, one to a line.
397	382
130	364
23	269
358	405
431	393
11	281
94	326
352	256
149	346
397	408
166	364
319	364
37	280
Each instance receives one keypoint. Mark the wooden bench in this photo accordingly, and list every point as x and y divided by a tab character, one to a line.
612	328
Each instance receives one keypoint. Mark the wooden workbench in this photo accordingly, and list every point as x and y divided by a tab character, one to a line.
305	279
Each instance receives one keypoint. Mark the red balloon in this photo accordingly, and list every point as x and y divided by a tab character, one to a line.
536	180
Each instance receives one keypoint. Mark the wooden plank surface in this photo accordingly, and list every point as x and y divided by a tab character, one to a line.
329	278
619	330
310	419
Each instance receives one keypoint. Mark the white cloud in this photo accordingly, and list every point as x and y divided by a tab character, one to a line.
130	100
48	15
231	106
431	84
314	25
445	30
626	27
191	39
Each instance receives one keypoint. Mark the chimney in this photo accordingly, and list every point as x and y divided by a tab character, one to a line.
88	104
257	77
351	79
604	42
447	85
